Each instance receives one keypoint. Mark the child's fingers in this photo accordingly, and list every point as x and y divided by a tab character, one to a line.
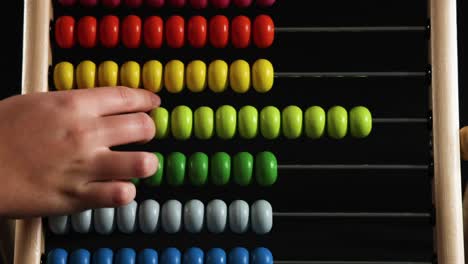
126	129
108	194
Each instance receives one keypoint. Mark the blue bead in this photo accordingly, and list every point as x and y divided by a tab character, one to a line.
148	256
57	256
262	255
239	255
103	256
125	256
171	256
216	256
80	256
194	255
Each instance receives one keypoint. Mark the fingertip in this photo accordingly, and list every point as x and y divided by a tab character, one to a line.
123	193
149	165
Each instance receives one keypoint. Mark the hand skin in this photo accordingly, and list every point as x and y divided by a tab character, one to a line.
55	155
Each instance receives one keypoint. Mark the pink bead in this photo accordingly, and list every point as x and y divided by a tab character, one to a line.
133	3
88	3
67	2
265	3
177	3
220	3
242	3
111	3
155	3
199	4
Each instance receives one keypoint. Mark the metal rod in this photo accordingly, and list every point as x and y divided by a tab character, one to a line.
353	167
385	215
349	74
351	29
347	262
400	120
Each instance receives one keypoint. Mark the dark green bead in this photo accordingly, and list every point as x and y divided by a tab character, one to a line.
135	181
266	168
176	168
242	168
157	177
198	168
220	168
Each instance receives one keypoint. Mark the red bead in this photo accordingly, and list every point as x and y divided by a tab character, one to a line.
219	31
220	3
196	31
240	32
65	32
175	31
67	2
153	32
242	3
109	31
177	3
88	3
199	4
265	3
110	3
133	3
263	31
131	31
155	3
87	35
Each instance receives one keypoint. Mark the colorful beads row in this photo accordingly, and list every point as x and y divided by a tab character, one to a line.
174	76
131	31
197	4
172	217
171	255
220	168
270	123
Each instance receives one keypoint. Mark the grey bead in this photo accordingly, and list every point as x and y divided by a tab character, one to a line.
239	216
261	217
59	225
81	222
148	216
104	223
126	218
171	216
216	216
194	212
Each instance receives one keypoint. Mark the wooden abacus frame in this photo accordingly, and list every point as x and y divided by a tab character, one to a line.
29	242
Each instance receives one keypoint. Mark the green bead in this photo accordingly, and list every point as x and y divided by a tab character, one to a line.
266	168
220	168
135	181
270	122
226	122
360	120
176	168
337	120
315	120
242	168
198	168
157	177
161	121
204	122
181	122
248	122
292	122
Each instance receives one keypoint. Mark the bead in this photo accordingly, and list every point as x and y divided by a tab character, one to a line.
261	214
194	213
57	256
88	3
360	122
103	219
263	31
181	122
153	30
103	256
337	122
216	256
262	255
176	168
82	221
219	31
198	4
239	76
220	3
65	32
148	216
59	225
125	256
239	216
265	3
226	122
160	117
148	256
135	181
87	32
242	3
198	168
156	178
194	255
216	216
242	168
240	32
196	76
110	3
171	216
67	2
86	74
248	122
238	255
109	31
270	122
266	168
220	168
80	256
262	75
152	76
64	76
108	73
130	74
174	76
177	3
126	218
292	122
155	3
204	122
133	3
314	122
131	31
197	31
218	76
171	256
175	31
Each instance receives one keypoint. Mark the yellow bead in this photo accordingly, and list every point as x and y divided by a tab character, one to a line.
174	76
160	117
218	76
239	76
63	76
86	74
108	73
152	76
196	76
130	74
263	75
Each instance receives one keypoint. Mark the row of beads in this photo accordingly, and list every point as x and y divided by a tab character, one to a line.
176	33
292	122
174	77
197	4
171	255
220	169
193	217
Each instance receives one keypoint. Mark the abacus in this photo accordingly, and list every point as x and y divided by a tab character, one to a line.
271	113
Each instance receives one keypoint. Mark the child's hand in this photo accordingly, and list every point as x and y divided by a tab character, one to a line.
54	149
